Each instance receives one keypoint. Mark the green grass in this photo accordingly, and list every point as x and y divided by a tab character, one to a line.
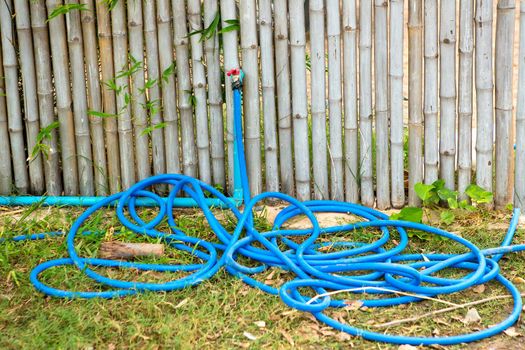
217	313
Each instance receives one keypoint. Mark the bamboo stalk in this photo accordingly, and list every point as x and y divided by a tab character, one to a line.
153	97
505	28
121	66
105	44
365	102
284	109
31	114
249	54
213	74
396	102
466	49
350	98
484	94
6	176
189	153
94	97
415	98
335	99
231	61
138	96
318	99
447	92
431	92
519	193
78	84
268	92
60	62
381	103
199	91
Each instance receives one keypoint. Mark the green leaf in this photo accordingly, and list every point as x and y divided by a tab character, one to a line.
447	217
426	192
478	194
101	114
452	203
412	214
66	8
439	184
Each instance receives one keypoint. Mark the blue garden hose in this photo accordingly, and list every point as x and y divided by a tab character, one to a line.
386	270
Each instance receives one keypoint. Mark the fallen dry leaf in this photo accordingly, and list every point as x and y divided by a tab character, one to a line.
472	316
406	347
512	332
518	280
249	336
353	304
260	324
480	288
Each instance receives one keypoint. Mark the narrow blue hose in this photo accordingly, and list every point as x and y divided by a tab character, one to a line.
363	267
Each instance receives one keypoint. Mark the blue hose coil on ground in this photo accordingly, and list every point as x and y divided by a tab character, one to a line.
391	270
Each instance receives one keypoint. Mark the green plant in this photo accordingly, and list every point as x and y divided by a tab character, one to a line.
64	9
44	134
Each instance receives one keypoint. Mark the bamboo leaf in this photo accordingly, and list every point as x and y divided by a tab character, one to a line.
66	8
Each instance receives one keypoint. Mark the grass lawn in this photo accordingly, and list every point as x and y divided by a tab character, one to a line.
221	312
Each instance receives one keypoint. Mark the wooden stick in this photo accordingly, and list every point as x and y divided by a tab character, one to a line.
350	100
78	85
431	93
504	56
124	251
14	113
62	82
484	94
138	96
519	192
268	90
213	75
189	152
94	97
365	102
382	112
231	61
108	95
397	154
318	99
284	109
6	175
466	49
249	54
31	113
415	98
447	92
335	99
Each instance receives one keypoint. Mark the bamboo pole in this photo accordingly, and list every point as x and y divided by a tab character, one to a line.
6	176
431	92
381	103
415	98
466	49
121	66
504	56
78	85
153	97
335	99
447	92
249	54
213	75
268	92
189	153
484	94
396	102
365	102
318	99
231	61
350	100
31	114
105	43
60	62
138	97
94	97
519	194
284	109
199	91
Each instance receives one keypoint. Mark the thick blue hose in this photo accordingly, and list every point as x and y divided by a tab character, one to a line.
301	252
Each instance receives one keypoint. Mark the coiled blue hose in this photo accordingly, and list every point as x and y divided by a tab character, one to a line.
386	269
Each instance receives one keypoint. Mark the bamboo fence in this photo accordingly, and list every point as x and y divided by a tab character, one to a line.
355	100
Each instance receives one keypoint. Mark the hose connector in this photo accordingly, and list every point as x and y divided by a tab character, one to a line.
237	76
